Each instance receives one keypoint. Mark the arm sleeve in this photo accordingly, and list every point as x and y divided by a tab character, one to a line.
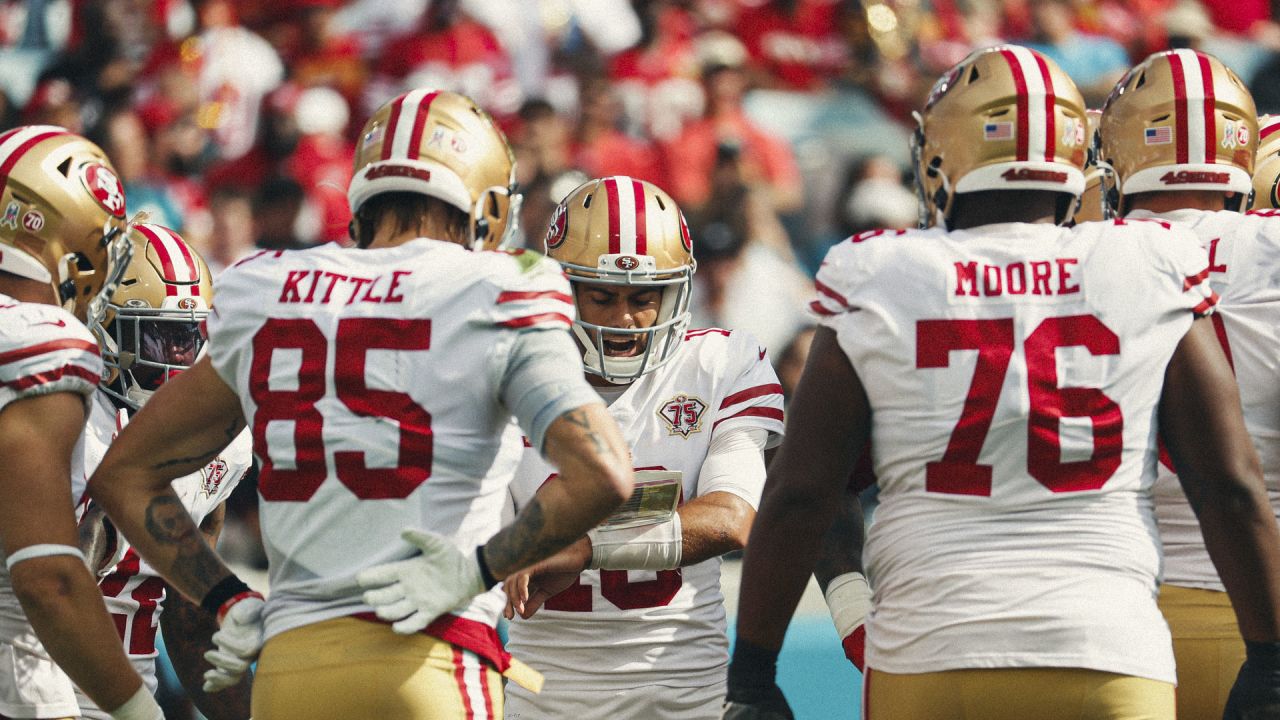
536	297
542	381
43	350
735	464
754	397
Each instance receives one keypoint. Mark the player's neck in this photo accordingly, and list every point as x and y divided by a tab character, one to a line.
995	207
389	235
26	289
1163	202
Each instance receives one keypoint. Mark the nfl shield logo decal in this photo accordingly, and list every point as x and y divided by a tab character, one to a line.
682	414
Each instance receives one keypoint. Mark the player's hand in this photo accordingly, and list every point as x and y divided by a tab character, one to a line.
528	589
237	642
1256	694
412	593
753	687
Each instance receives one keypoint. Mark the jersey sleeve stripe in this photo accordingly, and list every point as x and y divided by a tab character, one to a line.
1206	304
51	376
539	319
48	347
771	413
820	309
1193	280
517	295
825	290
750	393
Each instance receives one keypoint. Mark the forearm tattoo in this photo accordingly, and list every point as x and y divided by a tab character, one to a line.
580	418
196	568
524	541
229	433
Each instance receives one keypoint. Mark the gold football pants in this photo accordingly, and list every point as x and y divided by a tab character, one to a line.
1207	647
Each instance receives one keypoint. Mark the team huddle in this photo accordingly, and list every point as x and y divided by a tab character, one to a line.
1065	383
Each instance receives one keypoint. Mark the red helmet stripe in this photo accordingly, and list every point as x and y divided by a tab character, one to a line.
16	143
615	230
420	122
389	136
1020	87
1210	123
1050	100
1271	128
1181	141
642	223
176	262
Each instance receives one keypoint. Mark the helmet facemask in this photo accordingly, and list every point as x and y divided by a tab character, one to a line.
145	347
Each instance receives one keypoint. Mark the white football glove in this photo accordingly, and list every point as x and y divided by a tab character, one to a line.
236	644
412	593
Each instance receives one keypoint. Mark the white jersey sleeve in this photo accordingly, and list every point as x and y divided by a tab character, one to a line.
44	349
1014	373
754	395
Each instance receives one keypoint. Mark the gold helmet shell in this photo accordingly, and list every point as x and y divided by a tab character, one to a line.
1180	120
622	231
151	328
1004	118
62	215
441	144
1266	171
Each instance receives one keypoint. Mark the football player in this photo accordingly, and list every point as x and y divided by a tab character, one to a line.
1180	132
1010	372
629	622
62	246
150	332
1266	173
377	382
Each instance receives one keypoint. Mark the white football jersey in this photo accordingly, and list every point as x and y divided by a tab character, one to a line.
1014	372
633	628
370	382
1244	267
134	592
43	349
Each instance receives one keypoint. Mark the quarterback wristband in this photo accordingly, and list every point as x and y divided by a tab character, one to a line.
657	546
227	588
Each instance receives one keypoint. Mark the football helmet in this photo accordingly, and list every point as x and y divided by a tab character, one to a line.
62	215
1093	205
1266	171
622	231
441	144
1004	118
150	330
1180	120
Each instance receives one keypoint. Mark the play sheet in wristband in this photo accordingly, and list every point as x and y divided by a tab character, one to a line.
654	500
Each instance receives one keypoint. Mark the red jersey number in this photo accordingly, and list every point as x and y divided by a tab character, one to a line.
959	472
355	338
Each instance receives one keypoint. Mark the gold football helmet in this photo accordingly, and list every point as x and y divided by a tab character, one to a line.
622	231
150	330
1266	172
62	215
1180	120
1004	118
1093	205
441	144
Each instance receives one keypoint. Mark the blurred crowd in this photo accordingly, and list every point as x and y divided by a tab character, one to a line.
780	126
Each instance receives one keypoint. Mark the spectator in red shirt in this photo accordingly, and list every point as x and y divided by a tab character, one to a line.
724	133
796	43
601	148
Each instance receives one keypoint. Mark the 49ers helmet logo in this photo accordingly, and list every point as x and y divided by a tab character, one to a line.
105	187
559	225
